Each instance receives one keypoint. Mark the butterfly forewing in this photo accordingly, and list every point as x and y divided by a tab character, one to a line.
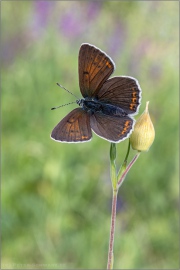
95	67
111	128
75	127
123	92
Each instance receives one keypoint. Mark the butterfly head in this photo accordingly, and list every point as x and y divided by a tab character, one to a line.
80	102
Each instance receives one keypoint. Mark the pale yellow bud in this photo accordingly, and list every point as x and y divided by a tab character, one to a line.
143	134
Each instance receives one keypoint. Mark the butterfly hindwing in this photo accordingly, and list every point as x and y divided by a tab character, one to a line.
111	128
74	127
123	92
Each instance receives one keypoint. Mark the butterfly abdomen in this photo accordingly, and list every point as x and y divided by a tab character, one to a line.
112	110
93	106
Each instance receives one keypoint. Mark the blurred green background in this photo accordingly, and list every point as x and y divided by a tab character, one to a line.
56	198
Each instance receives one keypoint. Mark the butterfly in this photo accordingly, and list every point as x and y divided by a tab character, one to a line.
107	106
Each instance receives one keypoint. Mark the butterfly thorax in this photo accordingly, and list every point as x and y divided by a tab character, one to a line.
92	106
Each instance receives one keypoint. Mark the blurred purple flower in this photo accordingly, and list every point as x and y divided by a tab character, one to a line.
93	9
31	30
12	46
117	39
42	12
70	24
73	24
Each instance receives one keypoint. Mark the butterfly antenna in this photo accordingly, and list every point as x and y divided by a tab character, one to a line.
66	90
63	105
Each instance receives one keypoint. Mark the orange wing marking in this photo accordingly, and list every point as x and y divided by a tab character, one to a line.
126	127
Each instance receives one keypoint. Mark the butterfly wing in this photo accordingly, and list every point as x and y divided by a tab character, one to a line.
111	128
75	127
95	67
123	92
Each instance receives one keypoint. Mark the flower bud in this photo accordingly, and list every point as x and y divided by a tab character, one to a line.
143	134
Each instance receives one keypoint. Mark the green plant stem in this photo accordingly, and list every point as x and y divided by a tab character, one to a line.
127	169
112	230
116	185
123	167
113	165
